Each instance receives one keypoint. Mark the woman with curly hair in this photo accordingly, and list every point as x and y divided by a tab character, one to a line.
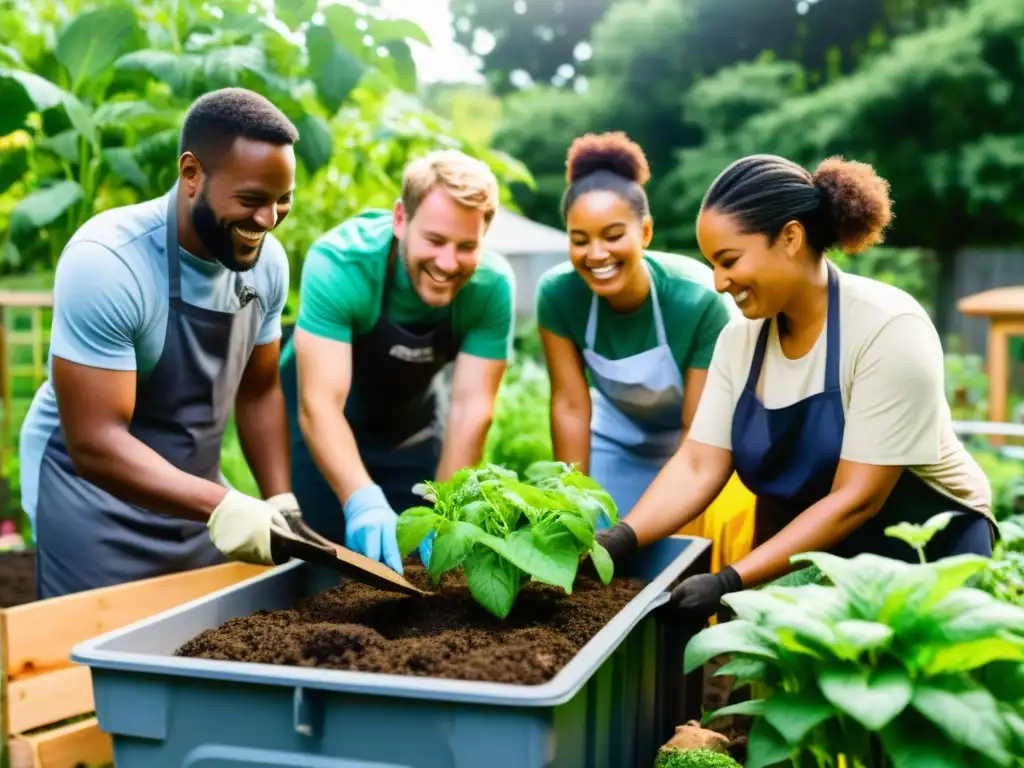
827	398
641	324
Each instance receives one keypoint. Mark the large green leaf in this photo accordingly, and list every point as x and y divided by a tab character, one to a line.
333	70
179	71
13	166
315	145
963	657
492	580
229	66
387	30
92	42
551	559
967	714
452	545
909	745
603	563
728	637
64	144
43	206
22	93
795	714
122	162
294	13
403	64
766	746
873	697
413	525
343	23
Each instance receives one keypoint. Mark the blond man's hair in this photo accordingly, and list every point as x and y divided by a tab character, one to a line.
468	181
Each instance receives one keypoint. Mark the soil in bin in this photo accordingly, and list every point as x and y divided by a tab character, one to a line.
17	578
446	635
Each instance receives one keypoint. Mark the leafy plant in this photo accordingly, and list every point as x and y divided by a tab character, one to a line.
1004	576
897	665
503	531
520	434
694	758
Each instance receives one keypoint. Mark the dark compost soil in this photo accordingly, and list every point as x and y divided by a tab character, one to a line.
446	635
17	578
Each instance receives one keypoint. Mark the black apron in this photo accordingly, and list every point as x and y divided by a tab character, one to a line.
788	458
88	538
391	409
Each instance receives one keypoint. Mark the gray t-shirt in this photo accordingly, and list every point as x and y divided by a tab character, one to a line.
110	302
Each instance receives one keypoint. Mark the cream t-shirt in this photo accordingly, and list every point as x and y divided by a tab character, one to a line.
891	375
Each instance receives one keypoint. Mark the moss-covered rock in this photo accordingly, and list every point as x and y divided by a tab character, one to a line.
670	757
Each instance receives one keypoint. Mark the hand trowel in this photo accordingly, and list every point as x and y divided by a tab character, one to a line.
306	544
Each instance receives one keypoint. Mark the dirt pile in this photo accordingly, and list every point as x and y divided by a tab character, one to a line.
446	635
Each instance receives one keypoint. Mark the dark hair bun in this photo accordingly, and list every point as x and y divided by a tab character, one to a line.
858	202
613	152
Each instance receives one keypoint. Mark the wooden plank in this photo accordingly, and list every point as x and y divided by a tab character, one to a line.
65	747
39	636
44	699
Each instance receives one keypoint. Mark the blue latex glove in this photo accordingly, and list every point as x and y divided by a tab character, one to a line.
370	526
426	547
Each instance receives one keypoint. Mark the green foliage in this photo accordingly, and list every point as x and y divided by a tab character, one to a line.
89	126
1004	576
895	664
503	531
693	758
520	433
938	114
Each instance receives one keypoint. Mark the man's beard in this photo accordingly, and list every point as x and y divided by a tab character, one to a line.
216	236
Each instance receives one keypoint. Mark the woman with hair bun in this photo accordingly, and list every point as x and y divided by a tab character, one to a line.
827	399
643	325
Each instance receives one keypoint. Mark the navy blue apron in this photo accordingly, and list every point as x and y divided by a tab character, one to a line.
391	409
87	537
788	458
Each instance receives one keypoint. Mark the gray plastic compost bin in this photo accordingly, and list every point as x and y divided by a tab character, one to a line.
612	706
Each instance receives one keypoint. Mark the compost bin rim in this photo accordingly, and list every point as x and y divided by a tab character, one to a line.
566	683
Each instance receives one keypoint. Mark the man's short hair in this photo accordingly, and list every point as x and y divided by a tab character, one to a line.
219	118
468	181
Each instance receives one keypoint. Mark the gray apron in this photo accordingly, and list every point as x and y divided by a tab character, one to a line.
88	538
637	419
391	409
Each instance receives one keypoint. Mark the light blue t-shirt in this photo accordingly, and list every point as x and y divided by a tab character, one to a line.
110	301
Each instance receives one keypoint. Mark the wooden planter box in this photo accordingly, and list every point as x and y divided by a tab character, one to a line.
41	689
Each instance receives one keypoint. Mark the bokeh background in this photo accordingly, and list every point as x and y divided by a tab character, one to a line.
930	91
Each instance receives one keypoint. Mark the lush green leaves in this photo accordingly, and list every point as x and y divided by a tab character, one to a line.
502	530
891	651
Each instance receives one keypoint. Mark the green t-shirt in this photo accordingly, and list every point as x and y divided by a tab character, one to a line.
342	288
693	312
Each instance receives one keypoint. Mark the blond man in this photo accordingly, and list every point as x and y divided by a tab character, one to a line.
387	299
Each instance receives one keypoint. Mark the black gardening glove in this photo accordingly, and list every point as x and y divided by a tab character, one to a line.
701	596
619	541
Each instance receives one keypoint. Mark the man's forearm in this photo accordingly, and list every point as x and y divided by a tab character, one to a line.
464	439
333	446
262	424
570	434
133	472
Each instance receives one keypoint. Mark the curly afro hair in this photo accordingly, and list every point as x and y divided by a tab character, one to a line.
607	162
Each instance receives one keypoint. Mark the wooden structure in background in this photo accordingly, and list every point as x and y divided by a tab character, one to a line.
12	305
41	690
1004	310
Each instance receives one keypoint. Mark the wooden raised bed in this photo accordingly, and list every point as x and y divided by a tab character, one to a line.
46	701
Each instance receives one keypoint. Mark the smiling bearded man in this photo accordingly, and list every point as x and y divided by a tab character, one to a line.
166	317
388	298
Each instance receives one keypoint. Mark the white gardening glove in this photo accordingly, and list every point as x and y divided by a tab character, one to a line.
240	528
285	502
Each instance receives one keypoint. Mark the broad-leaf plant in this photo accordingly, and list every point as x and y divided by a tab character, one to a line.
885	663
503	531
